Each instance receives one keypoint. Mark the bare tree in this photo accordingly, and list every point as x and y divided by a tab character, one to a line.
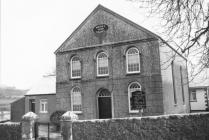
186	24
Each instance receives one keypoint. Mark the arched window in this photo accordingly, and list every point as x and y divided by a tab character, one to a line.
133	89
76	101
102	64
75	67
104	93
132	60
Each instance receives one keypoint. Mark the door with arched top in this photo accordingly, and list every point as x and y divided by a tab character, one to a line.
104	104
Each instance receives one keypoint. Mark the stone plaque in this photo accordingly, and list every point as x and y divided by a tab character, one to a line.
100	28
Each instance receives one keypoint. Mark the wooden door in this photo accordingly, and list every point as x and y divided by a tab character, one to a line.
32	105
104	105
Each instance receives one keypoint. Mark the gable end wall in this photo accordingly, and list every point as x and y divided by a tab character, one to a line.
166	56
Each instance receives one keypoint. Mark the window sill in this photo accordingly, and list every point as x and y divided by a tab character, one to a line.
134	112
43	112
77	112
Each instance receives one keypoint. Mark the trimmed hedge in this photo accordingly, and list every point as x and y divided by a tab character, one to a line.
10	131
171	127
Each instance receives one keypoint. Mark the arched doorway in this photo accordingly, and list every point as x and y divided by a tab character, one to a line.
104	104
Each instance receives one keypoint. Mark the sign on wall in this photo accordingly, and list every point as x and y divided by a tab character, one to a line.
138	100
100	31
100	28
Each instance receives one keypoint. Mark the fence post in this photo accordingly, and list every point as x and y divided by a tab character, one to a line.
28	126
66	124
48	125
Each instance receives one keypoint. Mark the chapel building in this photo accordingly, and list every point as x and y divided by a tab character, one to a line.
108	61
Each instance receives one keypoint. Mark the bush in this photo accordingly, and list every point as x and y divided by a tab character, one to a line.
169	127
10	131
55	118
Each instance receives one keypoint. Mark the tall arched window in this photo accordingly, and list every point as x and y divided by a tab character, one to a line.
132	60
76	101
75	67
133	89
102	64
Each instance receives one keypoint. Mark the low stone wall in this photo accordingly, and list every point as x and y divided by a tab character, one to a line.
166	127
10	131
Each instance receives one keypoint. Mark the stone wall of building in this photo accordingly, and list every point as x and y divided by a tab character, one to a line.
174	79
117	82
119	35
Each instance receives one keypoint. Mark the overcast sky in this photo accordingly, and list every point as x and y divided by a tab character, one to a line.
31	30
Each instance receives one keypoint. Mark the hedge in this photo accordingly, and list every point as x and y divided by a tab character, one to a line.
171	127
55	118
10	131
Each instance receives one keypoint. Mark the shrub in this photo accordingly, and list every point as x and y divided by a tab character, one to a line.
11	131
168	127
55	118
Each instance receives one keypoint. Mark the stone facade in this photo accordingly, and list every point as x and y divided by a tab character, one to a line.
120	36
174	81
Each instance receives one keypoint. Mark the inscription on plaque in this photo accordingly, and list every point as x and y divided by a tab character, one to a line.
100	28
